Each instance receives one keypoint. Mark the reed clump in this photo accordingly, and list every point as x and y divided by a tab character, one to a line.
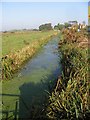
70	99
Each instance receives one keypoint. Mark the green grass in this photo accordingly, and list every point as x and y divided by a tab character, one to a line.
31	87
27	87
12	42
19	47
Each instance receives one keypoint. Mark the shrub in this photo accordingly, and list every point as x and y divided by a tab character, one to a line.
45	27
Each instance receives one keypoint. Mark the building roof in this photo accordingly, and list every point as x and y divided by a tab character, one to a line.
72	22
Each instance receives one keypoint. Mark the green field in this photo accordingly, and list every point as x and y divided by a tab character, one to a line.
12	42
18	47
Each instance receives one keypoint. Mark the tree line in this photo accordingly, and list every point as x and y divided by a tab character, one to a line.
59	26
48	26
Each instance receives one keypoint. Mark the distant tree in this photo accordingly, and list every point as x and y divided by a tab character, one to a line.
45	27
59	26
66	25
56	27
12	31
34	29
24	29
4	31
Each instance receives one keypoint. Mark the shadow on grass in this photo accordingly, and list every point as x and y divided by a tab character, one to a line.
32	100
34	97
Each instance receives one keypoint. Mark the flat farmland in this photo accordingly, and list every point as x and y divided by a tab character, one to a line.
14	41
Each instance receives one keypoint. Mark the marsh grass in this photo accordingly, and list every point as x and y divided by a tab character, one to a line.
71	99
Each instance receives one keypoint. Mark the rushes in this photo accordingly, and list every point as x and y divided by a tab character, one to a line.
72	101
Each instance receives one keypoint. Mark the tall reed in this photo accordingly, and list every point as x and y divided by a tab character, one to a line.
70	99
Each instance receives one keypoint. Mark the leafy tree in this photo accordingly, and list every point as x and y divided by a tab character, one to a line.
45	27
66	25
59	26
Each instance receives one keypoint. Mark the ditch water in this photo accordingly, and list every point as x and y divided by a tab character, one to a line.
33	81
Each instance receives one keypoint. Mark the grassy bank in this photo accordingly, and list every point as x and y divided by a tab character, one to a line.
70	99
14	41
19	47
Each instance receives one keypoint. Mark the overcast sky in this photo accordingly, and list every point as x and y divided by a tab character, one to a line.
20	15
